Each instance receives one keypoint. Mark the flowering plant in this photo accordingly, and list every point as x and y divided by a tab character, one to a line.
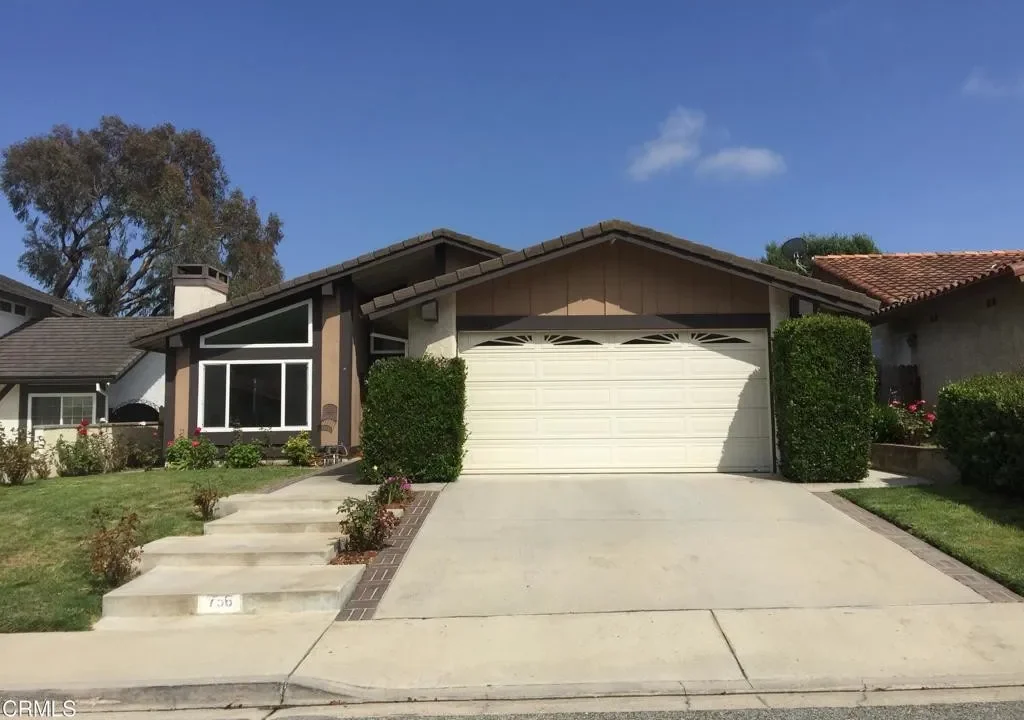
195	453
910	424
394	490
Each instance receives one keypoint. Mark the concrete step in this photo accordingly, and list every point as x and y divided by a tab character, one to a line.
174	591
245	623
255	521
241	550
274	503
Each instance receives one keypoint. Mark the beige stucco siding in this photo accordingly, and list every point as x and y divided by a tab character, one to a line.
182	364
330	346
962	335
614	279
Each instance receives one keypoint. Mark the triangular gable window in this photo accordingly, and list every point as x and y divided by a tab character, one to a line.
288	327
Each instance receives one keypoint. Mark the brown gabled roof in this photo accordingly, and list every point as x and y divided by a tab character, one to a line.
60	307
72	349
901	279
313	279
841	297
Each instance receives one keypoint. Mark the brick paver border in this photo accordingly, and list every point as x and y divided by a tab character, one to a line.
381	570
966	575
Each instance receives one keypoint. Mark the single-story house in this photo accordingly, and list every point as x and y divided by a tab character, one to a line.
612	348
943	315
60	364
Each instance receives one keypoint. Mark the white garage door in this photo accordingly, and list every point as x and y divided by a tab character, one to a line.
617	401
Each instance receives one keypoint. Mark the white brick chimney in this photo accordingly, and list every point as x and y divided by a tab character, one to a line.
197	287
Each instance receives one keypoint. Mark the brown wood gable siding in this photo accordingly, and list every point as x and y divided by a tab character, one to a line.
614	279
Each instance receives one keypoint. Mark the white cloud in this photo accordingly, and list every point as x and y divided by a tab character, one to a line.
677	143
742	162
980	84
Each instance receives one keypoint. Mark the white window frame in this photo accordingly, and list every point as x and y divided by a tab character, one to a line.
309	330
33	396
201	414
403	352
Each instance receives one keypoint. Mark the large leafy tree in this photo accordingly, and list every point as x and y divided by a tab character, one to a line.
109	211
835	244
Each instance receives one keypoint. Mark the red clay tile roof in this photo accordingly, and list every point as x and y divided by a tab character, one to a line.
899	279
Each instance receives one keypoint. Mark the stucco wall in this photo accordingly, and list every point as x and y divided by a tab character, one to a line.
961	335
9	409
614	279
330	357
182	411
143	383
433	338
778	306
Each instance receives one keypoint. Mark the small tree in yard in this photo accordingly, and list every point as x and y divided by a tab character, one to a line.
824	383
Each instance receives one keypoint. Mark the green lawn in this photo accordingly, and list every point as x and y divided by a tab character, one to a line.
981	529
44	564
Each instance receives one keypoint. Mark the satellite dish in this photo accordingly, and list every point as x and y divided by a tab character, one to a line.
795	249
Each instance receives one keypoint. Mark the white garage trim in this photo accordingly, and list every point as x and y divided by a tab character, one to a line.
634	401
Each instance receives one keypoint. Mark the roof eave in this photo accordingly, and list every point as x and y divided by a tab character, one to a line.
151	340
848	300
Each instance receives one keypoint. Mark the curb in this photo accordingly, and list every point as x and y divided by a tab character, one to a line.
274	692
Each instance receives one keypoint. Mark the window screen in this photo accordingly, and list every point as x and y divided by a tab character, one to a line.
296	384
45	411
214	381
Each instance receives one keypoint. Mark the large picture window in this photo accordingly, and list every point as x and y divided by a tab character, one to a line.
61	408
291	326
255	394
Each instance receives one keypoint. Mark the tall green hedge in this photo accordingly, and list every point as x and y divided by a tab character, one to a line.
413	419
823	375
981	425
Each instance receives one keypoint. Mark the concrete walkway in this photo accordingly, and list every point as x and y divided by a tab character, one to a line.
266	661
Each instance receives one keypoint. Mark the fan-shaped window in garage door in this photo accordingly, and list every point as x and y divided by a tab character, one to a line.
656	339
705	338
568	340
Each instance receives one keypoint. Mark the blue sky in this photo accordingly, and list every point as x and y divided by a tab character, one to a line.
730	123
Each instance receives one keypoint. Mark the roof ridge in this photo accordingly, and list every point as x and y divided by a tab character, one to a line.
934	253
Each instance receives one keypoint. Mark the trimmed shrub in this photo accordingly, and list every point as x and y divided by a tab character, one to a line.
243	455
981	426
823	374
299	450
413	419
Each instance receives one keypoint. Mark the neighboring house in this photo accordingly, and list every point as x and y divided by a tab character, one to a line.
614	348
944	316
60	364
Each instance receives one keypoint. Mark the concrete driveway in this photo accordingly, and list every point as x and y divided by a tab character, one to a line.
576	544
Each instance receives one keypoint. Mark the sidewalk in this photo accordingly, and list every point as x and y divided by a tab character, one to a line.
263	661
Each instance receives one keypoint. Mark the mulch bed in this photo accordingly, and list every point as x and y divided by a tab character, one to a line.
352	557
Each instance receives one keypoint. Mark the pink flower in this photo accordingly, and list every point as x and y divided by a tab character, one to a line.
912	408
170	443
930	417
195	443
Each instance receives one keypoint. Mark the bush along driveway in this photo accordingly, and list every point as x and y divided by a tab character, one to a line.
981	529
45	583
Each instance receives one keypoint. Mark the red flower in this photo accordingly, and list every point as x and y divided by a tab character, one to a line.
195	443
197	430
912	408
84	423
930	417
